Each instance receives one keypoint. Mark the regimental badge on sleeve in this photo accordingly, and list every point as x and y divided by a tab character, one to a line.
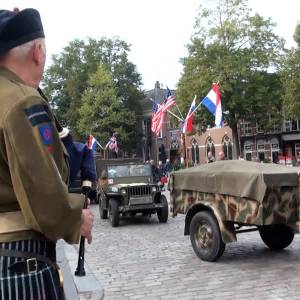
37	114
46	133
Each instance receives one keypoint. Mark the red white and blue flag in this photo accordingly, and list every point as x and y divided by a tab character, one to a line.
188	123
159	110
169	100
92	143
213	103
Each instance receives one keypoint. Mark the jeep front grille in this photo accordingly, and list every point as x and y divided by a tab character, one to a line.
137	191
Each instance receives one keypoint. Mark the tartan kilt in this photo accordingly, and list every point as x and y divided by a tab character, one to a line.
40	285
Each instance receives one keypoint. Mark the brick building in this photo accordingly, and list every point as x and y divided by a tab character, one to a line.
280	143
213	140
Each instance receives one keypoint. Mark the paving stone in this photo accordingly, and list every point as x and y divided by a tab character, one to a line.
144	259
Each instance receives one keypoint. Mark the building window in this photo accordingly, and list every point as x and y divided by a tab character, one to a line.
248	150
261	150
274	150
227	147
287	126
194	152
210	147
297	150
260	129
246	128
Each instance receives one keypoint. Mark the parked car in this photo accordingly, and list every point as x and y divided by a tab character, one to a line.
222	198
128	189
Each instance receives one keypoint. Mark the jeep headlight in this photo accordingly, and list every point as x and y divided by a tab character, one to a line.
123	191
114	189
154	189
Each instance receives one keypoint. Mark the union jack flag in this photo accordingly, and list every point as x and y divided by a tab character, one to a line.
159	112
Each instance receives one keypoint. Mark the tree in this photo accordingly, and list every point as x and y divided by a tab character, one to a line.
296	35
102	112
237	49
290	77
66	79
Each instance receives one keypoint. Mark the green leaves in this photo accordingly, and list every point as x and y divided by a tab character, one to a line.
103	113
239	49
100	67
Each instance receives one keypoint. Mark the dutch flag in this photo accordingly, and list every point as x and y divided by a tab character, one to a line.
92	143
213	103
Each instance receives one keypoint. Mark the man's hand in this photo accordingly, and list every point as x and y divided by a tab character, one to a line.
87	224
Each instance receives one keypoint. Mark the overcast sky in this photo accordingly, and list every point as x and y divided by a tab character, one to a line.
157	30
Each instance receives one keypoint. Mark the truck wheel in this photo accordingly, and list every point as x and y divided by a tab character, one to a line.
205	236
113	209
276	236
163	212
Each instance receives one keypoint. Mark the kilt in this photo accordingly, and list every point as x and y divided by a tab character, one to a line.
42	284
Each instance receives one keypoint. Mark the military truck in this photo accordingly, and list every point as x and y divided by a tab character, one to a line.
225	198
127	188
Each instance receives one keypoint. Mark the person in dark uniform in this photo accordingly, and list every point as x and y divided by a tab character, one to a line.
82	164
35	207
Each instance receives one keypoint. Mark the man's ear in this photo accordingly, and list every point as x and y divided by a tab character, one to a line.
37	53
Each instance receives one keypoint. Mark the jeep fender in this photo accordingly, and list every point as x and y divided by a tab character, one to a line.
111	195
226	228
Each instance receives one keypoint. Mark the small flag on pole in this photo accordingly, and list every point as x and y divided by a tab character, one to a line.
92	143
188	123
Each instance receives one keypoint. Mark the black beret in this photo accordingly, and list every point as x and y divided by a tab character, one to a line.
19	27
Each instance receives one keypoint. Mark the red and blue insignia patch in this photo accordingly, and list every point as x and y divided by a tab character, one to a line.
46	133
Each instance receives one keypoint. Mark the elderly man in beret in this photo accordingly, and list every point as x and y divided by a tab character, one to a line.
35	207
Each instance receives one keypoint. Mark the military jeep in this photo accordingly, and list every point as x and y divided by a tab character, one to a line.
125	189
225	198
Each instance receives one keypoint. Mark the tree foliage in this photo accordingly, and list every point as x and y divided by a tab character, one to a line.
296	35
67	78
237	49
103	113
290	76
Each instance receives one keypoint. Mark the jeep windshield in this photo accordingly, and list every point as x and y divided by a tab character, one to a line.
128	171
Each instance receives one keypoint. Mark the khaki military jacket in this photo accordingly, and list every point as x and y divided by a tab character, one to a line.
33	169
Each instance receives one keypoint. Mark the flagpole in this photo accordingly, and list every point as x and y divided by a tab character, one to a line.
186	151
175	116
180	119
179	111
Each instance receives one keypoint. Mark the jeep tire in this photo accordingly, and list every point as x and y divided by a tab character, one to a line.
102	211
205	236
276	236
163	212
113	209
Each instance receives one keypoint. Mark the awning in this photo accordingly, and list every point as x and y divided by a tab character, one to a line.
291	137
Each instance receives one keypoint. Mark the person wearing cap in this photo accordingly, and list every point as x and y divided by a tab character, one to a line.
35	207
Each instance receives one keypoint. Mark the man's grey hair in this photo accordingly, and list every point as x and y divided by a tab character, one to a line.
23	50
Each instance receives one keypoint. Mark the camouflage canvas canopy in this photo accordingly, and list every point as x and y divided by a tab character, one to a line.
235	178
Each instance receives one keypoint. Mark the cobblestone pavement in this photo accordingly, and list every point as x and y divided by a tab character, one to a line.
143	259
